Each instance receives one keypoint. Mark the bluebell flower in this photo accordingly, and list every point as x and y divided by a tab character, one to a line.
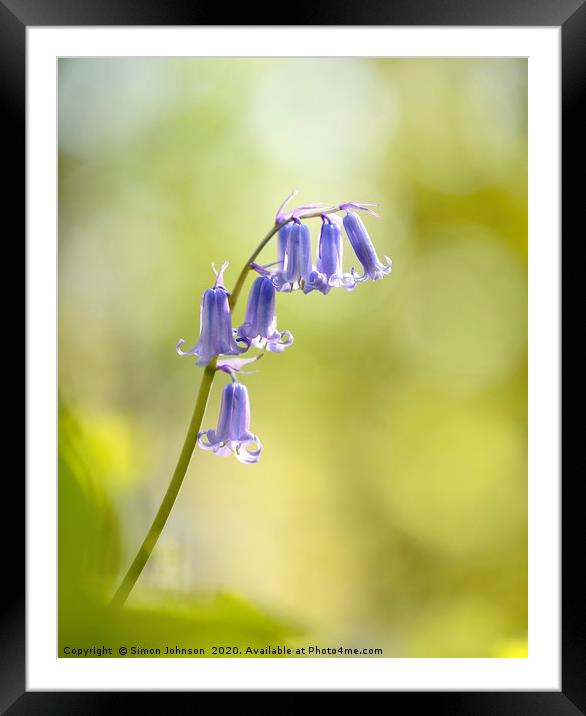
217	337
329	271
297	261
365	252
233	432
260	322
293	258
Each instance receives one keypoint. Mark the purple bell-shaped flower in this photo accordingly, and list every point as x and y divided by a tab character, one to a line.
365	252
233	435
217	337
297	260
329	271
260	322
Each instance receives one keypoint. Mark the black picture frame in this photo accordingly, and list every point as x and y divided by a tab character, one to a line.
570	15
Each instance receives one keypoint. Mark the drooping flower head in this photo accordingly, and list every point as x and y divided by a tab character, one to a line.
293	247
365	252
329	271
217	337
297	262
260	322
233	435
294	269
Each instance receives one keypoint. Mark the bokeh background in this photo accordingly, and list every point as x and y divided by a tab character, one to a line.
389	508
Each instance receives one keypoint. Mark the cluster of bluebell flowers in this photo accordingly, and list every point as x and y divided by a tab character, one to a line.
293	270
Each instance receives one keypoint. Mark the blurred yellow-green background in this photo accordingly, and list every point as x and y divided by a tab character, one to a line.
389	508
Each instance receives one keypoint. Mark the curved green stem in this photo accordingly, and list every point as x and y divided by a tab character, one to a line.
156	528
246	268
149	542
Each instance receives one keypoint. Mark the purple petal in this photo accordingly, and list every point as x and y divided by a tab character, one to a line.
280	341
190	352
242	452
